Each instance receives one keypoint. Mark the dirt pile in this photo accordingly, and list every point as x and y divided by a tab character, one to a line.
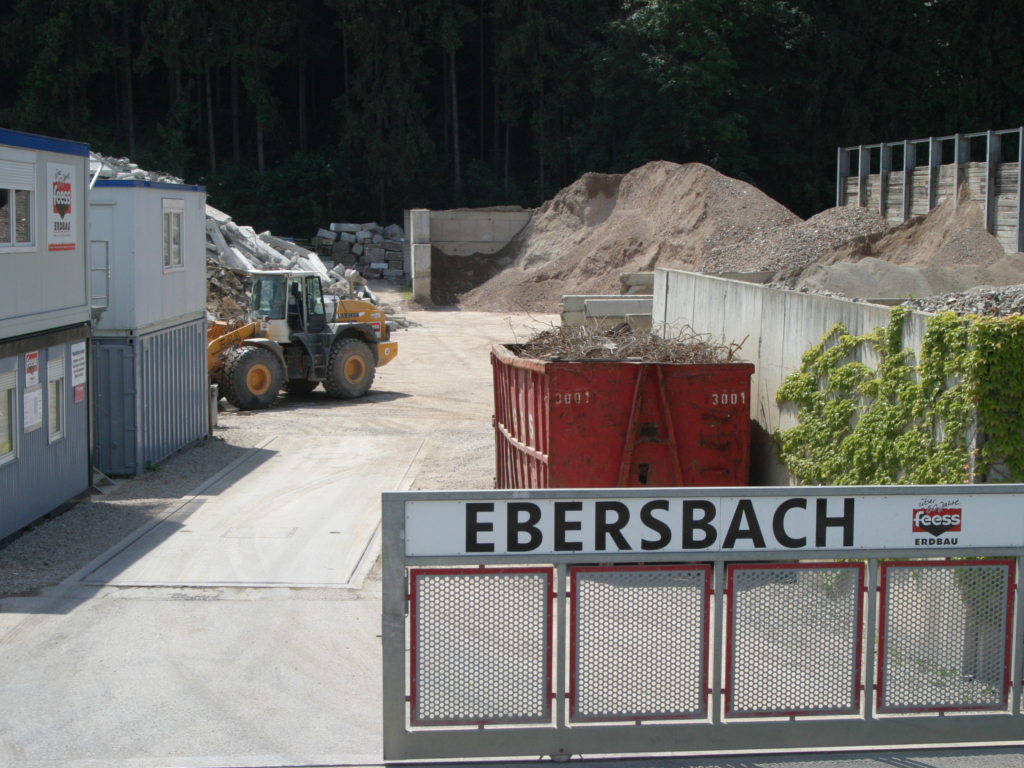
985	301
950	234
661	214
797	245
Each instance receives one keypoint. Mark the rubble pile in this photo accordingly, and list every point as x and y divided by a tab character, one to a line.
123	169
370	249
589	342
985	301
796	245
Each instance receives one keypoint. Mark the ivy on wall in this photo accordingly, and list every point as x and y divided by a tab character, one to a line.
907	420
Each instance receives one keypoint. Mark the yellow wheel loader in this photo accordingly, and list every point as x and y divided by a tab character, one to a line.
295	341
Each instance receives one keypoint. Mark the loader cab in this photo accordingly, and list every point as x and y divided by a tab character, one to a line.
289	303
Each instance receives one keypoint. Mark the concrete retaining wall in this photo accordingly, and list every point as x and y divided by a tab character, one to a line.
458	232
776	328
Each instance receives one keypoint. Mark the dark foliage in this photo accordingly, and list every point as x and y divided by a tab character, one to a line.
299	112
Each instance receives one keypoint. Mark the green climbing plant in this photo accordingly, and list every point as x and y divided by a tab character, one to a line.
907	420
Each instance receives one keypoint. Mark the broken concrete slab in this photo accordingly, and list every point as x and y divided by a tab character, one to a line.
393	232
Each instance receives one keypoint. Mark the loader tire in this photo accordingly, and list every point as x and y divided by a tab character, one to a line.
251	378
350	369
300	386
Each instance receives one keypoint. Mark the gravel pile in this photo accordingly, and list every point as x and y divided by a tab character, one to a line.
585	342
777	248
985	301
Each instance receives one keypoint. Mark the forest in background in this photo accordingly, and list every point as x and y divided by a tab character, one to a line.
294	113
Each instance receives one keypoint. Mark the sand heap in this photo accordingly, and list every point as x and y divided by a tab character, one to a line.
946	251
661	214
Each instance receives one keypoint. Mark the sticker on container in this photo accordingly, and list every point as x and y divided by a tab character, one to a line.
31	369
33	409
78	364
80	393
61	210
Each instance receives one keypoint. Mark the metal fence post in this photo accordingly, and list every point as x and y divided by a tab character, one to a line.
560	646
870	639
1018	640
718	647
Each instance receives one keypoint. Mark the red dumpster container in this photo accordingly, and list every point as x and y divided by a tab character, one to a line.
619	424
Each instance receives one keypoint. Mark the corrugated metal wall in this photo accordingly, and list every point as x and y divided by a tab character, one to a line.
114	442
173	391
151	397
45	475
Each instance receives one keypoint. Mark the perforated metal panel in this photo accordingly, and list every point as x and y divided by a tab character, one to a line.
794	639
944	639
481	646
639	642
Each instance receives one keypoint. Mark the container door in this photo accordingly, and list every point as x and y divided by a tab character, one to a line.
114	451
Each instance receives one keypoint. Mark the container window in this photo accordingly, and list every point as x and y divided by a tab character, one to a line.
5	216
8	415
55	396
172	239
22	217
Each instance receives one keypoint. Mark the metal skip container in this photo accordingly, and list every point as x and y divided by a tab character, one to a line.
617	424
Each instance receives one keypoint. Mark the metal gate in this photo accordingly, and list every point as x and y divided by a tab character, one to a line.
625	646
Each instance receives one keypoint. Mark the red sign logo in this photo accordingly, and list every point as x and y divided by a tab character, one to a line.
937	521
62	198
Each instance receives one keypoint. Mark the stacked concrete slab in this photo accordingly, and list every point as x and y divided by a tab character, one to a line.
370	249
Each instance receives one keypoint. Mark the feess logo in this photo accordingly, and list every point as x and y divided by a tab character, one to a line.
62	198
937	520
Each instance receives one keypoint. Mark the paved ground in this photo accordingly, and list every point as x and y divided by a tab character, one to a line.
94	674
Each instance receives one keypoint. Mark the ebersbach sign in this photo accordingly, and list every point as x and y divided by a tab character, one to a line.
515	525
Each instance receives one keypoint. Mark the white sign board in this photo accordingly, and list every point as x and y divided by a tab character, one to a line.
78	364
61	207
715	523
33	409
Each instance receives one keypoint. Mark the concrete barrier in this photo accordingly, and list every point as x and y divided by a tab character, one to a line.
776	328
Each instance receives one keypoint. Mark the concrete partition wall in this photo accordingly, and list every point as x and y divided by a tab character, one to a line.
775	328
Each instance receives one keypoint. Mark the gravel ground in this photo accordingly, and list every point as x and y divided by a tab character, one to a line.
985	300
796	245
57	548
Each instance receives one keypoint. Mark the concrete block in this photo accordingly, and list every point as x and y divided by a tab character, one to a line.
377	254
348	237
382	265
348	228
619	307
394	232
421	260
419	232
396	264
357	249
363	235
421	288
393	273
640	322
327	235
372	227
576	303
341	247
377	239
637	278
574	318
391	245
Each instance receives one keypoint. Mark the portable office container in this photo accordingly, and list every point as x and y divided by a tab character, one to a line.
44	328
149	274
608	424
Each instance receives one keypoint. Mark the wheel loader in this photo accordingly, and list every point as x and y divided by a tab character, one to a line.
294	340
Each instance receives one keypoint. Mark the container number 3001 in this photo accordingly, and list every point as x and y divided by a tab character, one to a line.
728	398
572	398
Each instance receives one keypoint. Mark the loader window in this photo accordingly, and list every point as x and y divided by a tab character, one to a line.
316	317
268	298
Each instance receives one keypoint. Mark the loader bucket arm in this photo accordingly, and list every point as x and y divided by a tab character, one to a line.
217	346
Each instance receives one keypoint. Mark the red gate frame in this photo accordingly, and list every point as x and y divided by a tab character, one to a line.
414	573
883	584
858	685
574	636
